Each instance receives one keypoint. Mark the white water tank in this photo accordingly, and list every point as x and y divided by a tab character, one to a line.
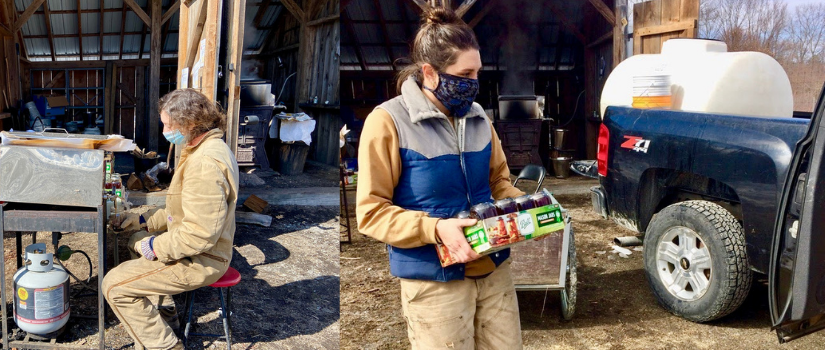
704	77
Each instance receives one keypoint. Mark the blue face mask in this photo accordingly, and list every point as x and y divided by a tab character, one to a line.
456	93
174	137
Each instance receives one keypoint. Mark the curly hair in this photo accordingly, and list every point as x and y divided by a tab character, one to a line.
440	38
192	112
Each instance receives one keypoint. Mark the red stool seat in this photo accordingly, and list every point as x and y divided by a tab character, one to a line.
230	278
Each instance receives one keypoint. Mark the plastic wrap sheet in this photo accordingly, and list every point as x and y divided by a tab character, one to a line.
113	143
55	176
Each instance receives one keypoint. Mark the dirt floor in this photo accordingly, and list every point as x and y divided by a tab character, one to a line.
288	297
615	308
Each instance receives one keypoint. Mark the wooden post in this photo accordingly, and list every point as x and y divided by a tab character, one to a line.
140	108
234	55
306	43
110	83
154	76
212	34
100	26
618	32
79	30
183	44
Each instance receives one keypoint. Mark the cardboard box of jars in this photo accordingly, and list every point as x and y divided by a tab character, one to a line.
507	222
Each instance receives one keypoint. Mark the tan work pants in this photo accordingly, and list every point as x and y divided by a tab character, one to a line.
466	314
139	292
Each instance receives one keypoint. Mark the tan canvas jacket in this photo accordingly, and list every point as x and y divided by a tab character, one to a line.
199	218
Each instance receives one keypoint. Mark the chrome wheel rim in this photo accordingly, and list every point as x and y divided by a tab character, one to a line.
683	262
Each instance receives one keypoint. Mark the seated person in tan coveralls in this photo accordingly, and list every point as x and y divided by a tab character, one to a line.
188	244
425	156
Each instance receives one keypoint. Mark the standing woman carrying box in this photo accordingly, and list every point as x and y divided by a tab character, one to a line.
424	156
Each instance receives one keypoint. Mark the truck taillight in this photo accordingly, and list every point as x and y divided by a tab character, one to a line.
601	157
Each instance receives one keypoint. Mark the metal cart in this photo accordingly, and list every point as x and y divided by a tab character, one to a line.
549	264
63	220
55	190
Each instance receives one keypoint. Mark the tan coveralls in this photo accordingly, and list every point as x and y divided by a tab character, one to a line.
193	244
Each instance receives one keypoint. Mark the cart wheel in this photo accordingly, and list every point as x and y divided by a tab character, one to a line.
568	294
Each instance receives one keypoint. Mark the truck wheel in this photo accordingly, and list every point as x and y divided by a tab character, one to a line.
695	260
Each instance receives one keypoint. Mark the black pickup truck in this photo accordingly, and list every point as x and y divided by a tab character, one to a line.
717	198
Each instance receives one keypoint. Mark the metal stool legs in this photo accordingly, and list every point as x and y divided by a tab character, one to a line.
225	311
225	315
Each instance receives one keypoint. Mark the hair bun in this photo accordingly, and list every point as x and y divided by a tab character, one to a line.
440	15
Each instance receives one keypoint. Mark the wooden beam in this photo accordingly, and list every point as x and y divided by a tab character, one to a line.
358	50
142	41
565	21
260	14
100	40
170	12
122	31
384	31
71	12
601	40
183	45
192	49
138	11
57	76
14	17
154	74
123	90
295	10
27	14
86	35
96	63
465	6
110	87
164	34
279	50
666	28
49	28
80	30
604	10
323	20
234	55
559	48
211	35
619	49
140	107
479	16
8	11
422	4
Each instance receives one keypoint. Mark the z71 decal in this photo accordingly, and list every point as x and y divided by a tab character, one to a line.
636	143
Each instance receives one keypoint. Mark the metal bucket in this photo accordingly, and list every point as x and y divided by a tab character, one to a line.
561	167
558	138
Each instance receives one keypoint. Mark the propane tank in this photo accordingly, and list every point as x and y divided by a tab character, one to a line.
41	293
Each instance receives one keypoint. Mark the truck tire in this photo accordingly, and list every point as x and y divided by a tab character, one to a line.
695	260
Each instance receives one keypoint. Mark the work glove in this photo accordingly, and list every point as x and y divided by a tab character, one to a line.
144	247
132	222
